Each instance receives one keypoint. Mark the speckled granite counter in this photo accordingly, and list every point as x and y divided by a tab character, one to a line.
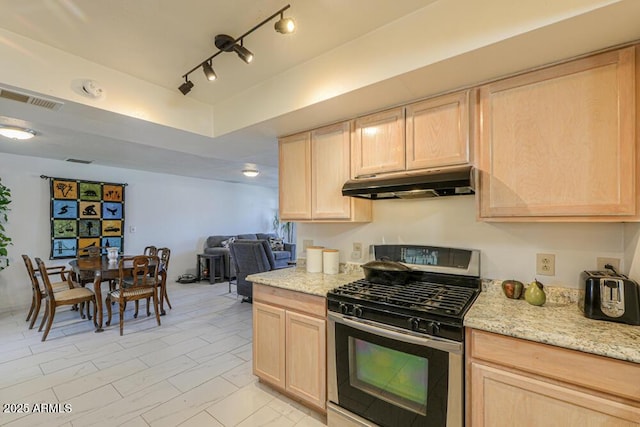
559	322
297	279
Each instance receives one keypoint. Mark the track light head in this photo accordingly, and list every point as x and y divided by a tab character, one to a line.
185	87
244	53
285	25
208	71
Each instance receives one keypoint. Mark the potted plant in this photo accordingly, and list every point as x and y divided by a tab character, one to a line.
286	230
5	199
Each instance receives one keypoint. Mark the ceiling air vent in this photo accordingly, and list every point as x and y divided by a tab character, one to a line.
30	99
84	162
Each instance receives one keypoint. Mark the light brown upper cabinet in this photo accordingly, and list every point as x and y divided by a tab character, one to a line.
438	132
559	144
313	168
295	177
378	144
423	135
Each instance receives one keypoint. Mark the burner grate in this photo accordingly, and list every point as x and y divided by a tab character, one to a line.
421	296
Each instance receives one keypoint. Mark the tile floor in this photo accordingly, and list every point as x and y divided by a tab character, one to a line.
194	370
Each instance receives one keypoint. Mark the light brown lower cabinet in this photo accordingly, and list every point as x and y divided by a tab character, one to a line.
515	382
289	343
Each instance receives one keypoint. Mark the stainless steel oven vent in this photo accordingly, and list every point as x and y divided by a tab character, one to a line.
435	183
38	101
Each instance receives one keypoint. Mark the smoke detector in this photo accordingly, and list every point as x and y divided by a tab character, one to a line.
92	89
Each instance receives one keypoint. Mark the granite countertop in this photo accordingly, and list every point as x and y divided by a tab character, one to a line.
297	279
558	322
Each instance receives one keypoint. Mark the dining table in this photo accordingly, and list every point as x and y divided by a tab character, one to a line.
104	270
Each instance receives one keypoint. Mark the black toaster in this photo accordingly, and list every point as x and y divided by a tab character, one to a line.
608	295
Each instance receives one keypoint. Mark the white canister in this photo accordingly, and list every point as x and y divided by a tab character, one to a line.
314	259
330	261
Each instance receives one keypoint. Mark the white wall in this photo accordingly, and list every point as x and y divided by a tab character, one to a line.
508	249
167	210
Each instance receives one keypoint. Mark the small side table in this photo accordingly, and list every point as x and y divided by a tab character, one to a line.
214	263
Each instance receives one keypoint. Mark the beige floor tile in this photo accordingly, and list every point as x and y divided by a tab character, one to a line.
235	408
189	404
97	379
203	419
199	374
174	374
147	377
266	417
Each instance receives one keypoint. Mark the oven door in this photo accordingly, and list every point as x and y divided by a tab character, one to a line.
392	377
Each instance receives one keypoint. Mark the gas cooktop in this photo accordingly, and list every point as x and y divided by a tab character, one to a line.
443	287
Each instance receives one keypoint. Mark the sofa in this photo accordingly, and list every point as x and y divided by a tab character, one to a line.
219	245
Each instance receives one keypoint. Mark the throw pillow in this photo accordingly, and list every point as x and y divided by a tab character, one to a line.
276	244
229	241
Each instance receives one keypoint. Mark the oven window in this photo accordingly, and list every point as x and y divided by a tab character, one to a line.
393	376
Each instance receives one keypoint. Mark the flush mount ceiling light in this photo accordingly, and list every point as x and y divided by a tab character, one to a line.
226	43
251	173
14	132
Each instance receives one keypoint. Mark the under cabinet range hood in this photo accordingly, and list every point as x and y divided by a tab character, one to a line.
435	183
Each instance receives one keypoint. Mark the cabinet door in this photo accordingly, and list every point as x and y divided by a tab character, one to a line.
330	166
502	398
560	142
306	358
269	343
295	177
378	143
438	132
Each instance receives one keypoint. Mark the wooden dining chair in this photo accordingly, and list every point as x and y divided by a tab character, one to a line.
164	254
150	251
141	283
64	297
38	292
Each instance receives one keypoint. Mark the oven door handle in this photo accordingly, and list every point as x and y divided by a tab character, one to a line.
398	334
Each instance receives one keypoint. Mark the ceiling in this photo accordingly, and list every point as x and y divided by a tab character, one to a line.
157	41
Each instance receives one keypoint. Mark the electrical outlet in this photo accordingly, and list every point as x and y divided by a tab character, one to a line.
546	264
356	253
601	261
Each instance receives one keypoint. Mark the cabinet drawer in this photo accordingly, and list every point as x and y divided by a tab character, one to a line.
599	373
298	301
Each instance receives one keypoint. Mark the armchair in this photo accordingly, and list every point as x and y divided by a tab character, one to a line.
249	257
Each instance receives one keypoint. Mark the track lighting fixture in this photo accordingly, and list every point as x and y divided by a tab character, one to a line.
285	25
185	87
208	71
226	43
244	53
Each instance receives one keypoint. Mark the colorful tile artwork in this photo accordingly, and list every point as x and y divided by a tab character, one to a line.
84	214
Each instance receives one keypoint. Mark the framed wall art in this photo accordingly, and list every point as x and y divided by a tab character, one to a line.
85	214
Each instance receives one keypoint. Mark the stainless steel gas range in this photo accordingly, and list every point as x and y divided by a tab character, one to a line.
395	351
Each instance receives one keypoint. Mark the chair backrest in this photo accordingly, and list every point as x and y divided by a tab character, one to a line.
252	256
150	250
144	271
164	254
45	278
35	284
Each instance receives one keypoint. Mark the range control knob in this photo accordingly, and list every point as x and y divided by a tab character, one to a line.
414	324
433	328
357	311
343	308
